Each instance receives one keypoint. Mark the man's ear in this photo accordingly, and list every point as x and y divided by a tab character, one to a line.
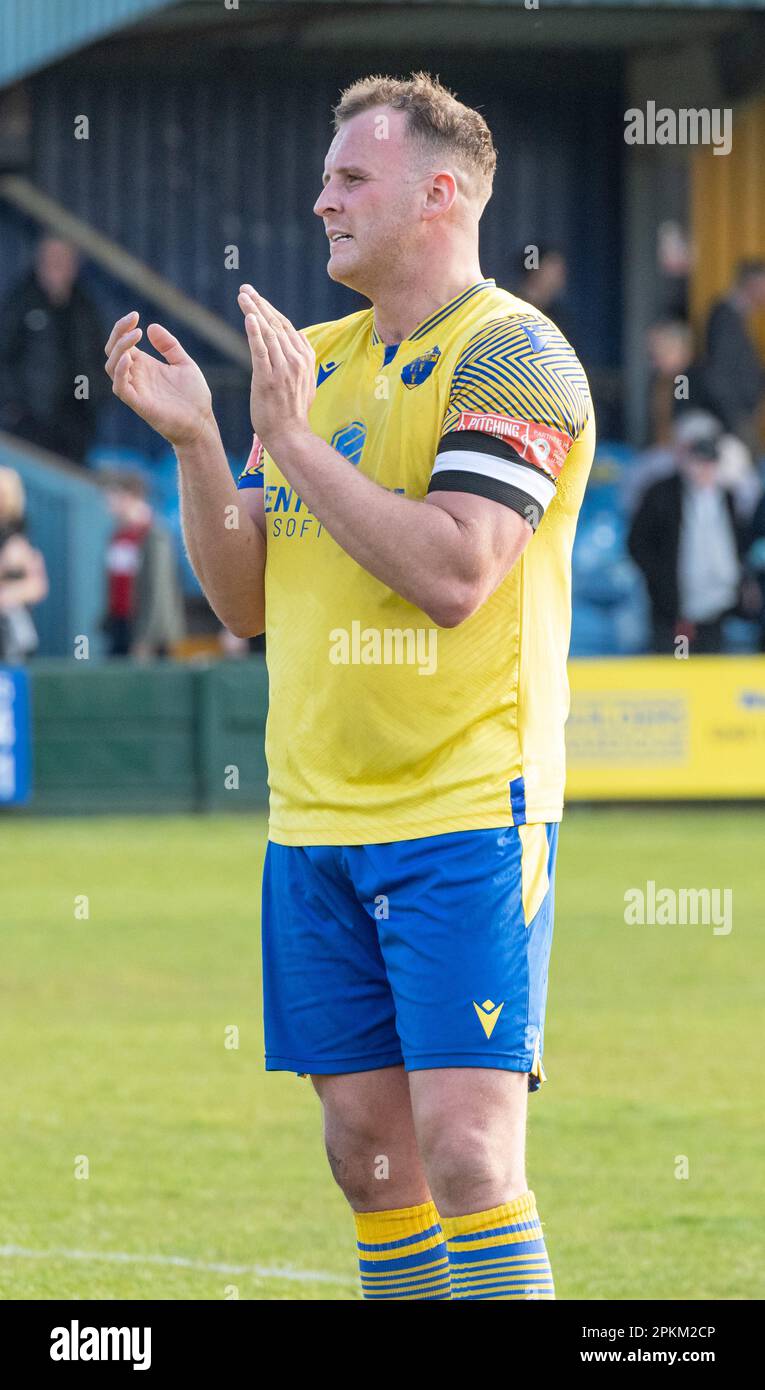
440	193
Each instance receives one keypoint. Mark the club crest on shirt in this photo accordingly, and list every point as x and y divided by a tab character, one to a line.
419	370
349	440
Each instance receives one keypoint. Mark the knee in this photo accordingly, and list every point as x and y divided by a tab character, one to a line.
355	1159
468	1170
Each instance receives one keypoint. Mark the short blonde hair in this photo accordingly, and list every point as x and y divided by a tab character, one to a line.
13	503
435	118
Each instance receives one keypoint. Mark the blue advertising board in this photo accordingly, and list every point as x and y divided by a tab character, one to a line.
14	736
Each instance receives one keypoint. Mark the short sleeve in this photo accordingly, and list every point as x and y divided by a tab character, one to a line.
518	401
252	473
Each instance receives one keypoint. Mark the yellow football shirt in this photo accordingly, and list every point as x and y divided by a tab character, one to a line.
382	726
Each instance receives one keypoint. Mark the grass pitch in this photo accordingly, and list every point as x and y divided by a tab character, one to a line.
207	1178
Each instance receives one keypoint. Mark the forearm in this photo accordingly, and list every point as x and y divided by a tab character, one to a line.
226	549
414	548
189	526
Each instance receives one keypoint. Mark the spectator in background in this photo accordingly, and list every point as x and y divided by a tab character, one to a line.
736	471
125	497
756	566
734	376
686	541
670	353
544	285
51	335
674	263
144	616
23	578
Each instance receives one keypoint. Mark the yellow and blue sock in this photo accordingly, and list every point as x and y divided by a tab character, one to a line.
499	1253
402	1253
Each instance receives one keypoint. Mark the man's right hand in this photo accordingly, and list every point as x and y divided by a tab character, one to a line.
171	396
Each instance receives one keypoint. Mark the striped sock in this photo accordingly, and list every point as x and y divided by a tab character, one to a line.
402	1253
499	1253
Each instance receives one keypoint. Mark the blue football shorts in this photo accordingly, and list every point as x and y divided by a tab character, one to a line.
431	952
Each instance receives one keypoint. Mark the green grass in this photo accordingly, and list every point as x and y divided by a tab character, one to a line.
112	1035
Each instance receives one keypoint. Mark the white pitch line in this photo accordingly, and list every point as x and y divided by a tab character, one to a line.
297	1276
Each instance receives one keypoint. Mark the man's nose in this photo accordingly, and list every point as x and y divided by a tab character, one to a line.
326	201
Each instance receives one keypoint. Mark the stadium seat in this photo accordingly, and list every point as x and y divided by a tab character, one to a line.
610	609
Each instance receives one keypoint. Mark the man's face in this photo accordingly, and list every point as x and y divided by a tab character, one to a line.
57	267
756	292
670	351
553	272
118	503
373	195
701	472
127	508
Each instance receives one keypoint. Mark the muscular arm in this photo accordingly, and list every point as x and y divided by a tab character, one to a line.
446	553
228	559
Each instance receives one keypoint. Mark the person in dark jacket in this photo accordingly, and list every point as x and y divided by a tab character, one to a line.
671	357
733	372
687	542
51	356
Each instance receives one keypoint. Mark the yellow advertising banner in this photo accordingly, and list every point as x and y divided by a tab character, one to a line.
646	728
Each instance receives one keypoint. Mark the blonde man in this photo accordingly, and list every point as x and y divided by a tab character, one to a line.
406	521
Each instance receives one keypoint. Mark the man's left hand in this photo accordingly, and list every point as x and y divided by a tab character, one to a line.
283	372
